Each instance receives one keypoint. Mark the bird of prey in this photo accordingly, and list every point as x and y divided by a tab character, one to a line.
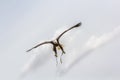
56	44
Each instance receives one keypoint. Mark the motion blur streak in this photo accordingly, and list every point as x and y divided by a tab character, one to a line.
92	44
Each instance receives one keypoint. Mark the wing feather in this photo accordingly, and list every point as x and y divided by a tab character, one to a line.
46	42
77	25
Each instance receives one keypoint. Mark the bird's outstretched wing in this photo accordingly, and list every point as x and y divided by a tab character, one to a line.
46	42
77	25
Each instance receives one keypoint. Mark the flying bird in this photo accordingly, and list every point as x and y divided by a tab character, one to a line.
56	44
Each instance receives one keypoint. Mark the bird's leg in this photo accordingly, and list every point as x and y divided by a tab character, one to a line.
63	52
55	51
61	58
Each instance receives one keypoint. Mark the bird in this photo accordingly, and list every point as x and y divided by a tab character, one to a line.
56	43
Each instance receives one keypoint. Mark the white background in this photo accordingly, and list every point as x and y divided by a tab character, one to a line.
23	23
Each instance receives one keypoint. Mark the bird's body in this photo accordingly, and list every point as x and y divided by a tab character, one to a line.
56	44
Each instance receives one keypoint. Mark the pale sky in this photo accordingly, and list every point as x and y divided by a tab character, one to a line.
24	23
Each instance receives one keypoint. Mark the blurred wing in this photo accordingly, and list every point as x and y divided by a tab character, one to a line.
77	25
39	45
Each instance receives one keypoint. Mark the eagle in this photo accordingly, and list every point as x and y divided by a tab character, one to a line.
56	43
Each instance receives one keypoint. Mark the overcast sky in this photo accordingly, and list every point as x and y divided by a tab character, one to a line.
24	23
